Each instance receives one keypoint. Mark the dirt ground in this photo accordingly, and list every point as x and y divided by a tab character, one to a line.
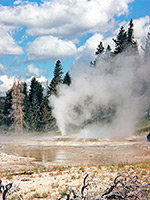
44	166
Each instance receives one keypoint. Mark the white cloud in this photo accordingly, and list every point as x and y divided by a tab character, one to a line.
3	69
6	83
64	18
32	70
17	2
59	21
49	47
142	26
8	46
42	79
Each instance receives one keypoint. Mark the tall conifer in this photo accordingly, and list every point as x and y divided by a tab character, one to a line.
120	41
35	102
147	49
67	79
100	49
57	79
7	108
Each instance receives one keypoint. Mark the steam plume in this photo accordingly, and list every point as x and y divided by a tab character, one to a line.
115	87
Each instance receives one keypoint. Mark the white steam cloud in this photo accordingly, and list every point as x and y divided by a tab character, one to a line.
113	88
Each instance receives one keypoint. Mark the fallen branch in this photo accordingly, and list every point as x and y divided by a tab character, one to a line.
8	189
124	186
127	187
21	173
84	186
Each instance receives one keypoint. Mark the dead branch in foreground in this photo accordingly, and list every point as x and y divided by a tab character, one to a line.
8	189
125	186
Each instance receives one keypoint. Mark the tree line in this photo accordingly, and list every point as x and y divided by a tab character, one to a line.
24	109
29	109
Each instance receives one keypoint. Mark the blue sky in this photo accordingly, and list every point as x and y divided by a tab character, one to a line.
34	34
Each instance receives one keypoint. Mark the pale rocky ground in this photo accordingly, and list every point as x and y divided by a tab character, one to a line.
49	183
49	179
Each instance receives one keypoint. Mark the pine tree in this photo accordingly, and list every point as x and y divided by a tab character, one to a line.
100	49
147	49
57	79
132	44
125	40
108	49
35	105
108	54
47	118
67	79
120	41
130	32
1	111
7	108
17	108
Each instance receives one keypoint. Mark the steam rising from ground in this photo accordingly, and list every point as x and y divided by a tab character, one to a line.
114	87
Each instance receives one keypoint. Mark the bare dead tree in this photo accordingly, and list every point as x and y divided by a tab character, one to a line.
17	107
